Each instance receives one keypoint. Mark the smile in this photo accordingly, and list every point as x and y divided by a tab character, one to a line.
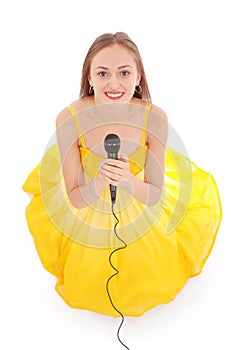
114	95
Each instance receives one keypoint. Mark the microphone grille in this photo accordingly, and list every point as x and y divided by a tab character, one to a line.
112	143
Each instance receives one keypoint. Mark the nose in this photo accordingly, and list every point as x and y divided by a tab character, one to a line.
113	83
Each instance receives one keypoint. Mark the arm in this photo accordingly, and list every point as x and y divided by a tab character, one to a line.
117	171
80	194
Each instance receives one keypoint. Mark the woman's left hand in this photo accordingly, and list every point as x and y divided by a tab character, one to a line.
116	171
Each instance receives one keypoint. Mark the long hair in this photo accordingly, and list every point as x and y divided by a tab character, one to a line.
104	41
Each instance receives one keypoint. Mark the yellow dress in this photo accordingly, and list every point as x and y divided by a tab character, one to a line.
166	244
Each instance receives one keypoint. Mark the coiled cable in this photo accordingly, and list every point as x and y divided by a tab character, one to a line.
115	274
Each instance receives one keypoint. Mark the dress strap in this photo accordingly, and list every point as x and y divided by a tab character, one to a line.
145	123
73	113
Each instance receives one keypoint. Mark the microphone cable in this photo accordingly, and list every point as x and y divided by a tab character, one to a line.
115	274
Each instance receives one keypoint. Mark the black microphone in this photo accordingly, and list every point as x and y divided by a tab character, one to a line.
112	146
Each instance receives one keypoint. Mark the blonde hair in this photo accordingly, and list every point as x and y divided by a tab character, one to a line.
106	40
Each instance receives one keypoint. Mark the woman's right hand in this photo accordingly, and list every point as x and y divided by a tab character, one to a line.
101	182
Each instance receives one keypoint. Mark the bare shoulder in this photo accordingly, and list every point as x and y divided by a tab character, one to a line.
157	125
63	116
78	105
157	111
83	103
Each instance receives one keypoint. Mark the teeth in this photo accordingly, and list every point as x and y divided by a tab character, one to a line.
114	95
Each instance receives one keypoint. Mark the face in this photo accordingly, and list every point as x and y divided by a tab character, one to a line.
113	75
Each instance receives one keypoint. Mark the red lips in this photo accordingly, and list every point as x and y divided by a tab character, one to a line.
114	95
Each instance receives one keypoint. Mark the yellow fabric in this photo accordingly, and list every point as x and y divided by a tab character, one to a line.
144	129
90	163
167	243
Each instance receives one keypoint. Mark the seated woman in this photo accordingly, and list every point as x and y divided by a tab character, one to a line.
167	209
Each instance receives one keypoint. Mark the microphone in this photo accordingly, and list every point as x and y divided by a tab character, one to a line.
112	146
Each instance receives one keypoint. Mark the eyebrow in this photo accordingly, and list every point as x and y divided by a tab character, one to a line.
120	67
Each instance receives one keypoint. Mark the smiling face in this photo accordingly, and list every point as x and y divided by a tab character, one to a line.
113	75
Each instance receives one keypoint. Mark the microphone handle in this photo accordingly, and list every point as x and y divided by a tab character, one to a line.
113	188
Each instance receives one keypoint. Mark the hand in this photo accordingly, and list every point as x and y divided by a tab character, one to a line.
116	171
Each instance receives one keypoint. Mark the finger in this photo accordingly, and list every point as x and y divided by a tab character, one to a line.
123	158
113	179
112	167
113	162
105	177
112	176
110	171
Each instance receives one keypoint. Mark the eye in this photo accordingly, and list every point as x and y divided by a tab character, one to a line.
124	73
102	74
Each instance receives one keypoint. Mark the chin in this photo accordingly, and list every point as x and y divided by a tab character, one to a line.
105	100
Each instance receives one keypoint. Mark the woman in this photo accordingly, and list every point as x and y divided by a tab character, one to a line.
167	209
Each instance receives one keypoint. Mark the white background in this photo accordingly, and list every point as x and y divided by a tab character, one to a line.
187	50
